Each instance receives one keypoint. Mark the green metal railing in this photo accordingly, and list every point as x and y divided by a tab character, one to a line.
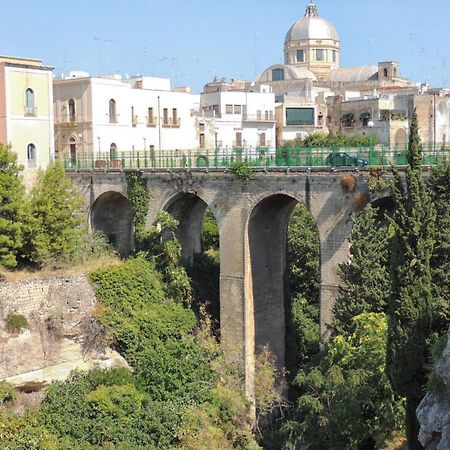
263	157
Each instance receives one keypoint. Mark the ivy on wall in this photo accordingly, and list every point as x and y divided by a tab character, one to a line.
139	198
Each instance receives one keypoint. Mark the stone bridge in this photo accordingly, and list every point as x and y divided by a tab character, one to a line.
253	218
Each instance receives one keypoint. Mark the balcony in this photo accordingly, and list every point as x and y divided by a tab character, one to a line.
258	117
171	123
30	111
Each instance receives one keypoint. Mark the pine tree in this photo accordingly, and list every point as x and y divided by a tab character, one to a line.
12	207
365	276
410	301
55	229
439	185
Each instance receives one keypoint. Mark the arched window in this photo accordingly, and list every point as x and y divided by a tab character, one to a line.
73	152
72	110
31	155
29	102
112	111
113	151
277	74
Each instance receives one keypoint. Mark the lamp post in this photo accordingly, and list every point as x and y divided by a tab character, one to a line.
98	137
370	124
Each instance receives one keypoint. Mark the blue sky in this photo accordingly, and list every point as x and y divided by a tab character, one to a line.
194	40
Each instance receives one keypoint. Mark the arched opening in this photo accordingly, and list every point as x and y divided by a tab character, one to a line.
72	110
111	214
400	138
113	151
112	111
29	102
198	234
73	151
282	275
31	155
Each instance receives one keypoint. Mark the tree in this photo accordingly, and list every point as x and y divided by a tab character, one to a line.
12	208
55	229
303	282
347	401
439	185
411	301
366	275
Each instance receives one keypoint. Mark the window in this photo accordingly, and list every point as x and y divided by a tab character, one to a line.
334	53
229	109
202	140
277	74
266	115
31	155
238	139
320	54
72	110
365	118
347	120
299	116
237	109
175	117
133	117
201	127
258	114
112	111
150	117
73	152
165	116
300	56
216	110
385	73
29	103
262	140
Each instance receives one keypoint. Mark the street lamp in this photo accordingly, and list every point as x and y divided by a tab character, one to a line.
370	124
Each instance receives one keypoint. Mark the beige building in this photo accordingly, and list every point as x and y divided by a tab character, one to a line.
26	112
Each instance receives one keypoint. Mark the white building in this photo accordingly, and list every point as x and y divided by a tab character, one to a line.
237	119
111	115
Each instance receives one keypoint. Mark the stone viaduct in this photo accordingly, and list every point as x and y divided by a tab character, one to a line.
252	217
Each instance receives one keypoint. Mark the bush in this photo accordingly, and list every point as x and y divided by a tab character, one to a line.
240	170
348	183
15	323
7	392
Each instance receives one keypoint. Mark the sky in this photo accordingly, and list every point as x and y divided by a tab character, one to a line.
193	41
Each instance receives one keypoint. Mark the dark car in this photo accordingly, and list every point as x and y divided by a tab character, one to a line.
337	159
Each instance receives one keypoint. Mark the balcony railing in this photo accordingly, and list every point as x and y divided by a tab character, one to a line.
258	117
171	123
30	111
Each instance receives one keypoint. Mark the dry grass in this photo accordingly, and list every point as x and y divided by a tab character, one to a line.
13	276
360	201
348	183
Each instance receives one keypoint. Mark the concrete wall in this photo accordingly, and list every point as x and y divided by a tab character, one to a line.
252	218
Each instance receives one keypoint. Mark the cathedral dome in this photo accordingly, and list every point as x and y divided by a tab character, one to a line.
312	27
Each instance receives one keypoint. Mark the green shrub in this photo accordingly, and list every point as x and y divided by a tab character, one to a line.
240	170
7	392
15	323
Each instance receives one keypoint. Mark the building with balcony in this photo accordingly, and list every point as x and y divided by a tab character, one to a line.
26	112
240	118
107	115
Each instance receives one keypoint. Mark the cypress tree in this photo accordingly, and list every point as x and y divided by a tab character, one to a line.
410	300
439	185
365	276
12	206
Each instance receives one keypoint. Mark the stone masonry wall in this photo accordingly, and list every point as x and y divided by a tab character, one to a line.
56	309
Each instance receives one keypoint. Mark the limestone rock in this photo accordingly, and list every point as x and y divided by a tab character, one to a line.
433	412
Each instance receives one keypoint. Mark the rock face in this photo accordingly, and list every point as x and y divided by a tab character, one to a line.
58	338
434	410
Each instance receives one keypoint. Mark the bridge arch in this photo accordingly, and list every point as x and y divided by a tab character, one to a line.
267	246
111	214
